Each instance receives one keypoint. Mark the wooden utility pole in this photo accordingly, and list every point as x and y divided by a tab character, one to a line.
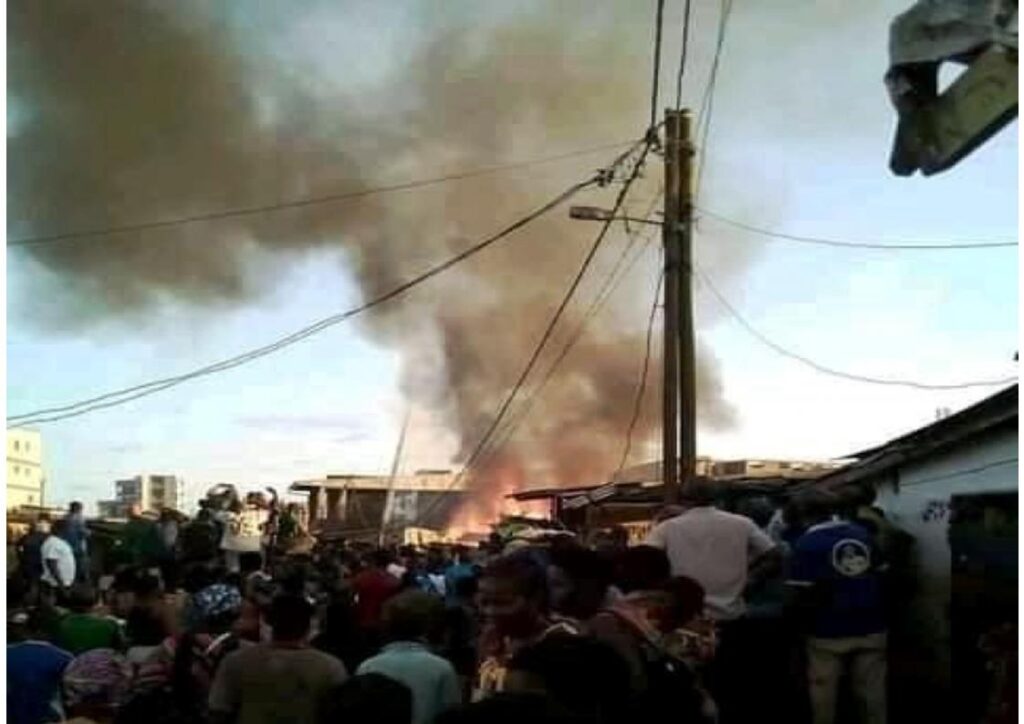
678	389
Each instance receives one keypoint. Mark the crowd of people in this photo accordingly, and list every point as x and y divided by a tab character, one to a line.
718	617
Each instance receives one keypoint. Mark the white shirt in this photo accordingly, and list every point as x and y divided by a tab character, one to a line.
56	549
715	548
243	531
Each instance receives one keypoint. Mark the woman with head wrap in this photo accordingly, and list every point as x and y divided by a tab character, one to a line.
95	685
214	611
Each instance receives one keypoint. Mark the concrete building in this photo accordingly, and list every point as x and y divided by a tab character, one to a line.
26	481
150	492
951	485
357	506
739	469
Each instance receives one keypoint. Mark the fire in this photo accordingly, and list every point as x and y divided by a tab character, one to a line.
489	501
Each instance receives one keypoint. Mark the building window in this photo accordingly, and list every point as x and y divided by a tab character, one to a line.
17	445
31	499
28	446
17	470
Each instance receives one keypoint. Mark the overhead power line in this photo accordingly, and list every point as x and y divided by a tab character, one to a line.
305	202
121	396
656	81
641	386
682	55
611	282
707	102
898	246
503	409
817	366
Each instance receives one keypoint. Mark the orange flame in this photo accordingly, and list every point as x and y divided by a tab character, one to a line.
490	501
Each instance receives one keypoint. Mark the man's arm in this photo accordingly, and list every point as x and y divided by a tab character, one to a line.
656	538
765	557
53	567
805	593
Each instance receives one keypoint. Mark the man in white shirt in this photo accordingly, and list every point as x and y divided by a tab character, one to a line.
243	531
717	549
58	559
723	552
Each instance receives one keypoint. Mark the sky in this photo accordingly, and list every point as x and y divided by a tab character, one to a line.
799	142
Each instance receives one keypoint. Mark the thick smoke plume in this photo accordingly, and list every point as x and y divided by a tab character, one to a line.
127	111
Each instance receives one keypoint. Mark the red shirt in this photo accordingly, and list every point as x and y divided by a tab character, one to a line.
372	588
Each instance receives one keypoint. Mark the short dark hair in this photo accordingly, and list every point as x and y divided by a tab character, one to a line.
817	504
380	558
59	526
81	597
411	615
643	568
75	506
290	617
369	697
524	571
582	564
700	491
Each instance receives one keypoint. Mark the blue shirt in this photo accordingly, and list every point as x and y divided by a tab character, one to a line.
34	670
456	572
76	534
841	561
430	678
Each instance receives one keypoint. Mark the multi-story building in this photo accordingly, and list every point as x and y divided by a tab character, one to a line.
362	506
26	482
150	492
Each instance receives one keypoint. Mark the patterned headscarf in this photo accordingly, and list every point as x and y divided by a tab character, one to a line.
100	677
215	600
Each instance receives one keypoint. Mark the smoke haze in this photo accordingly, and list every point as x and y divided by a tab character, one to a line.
129	111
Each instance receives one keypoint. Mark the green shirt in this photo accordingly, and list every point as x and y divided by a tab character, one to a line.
81	632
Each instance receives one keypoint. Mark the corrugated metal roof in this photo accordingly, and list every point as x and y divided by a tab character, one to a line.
999	409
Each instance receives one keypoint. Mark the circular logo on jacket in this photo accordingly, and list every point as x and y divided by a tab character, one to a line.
851	557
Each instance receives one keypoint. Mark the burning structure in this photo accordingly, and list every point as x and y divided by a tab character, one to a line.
252	109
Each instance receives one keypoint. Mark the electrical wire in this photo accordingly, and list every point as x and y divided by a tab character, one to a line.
105	400
546	336
611	283
682	55
899	246
959	473
642	382
707	102
658	18
817	366
305	202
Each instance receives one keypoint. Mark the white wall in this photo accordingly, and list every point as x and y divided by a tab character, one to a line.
919	504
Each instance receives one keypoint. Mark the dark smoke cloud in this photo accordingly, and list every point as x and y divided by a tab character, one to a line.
134	111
